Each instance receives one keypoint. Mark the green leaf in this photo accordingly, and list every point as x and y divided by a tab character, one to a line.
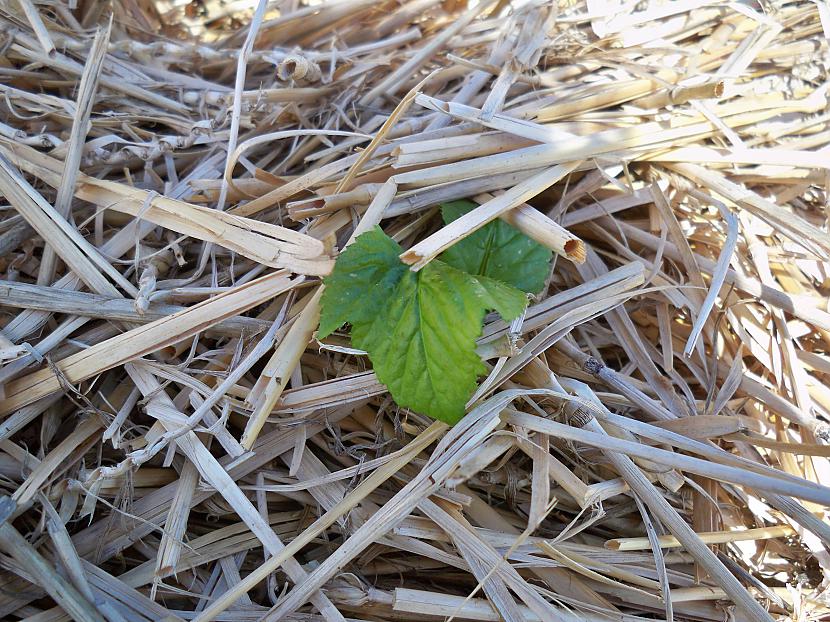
363	277
498	251
422	344
419	329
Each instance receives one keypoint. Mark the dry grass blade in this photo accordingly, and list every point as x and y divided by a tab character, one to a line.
75	145
140	341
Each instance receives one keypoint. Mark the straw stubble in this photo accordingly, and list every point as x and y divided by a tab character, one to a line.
650	440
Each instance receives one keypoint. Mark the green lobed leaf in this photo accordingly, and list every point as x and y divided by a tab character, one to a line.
363	277
419	329
422	344
499	251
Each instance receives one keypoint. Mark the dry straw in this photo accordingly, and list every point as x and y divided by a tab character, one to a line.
650	441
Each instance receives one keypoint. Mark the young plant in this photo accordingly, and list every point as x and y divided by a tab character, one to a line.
420	328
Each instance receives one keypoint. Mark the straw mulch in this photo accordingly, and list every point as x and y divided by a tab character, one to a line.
651	440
